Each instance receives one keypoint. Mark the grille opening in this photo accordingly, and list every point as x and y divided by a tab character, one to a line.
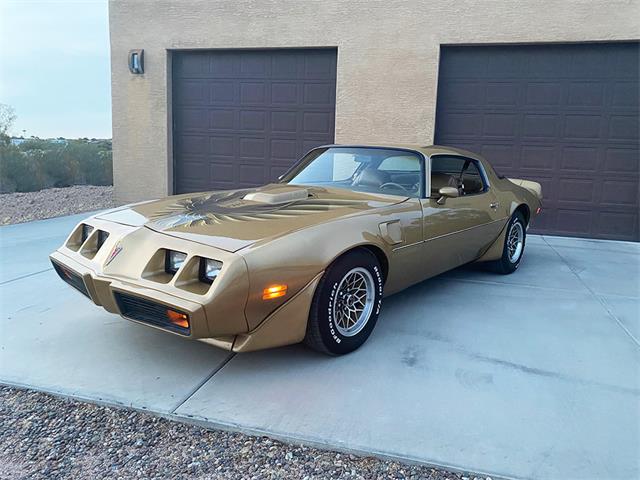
154	313
71	277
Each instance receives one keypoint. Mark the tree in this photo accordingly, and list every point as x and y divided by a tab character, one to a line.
7	117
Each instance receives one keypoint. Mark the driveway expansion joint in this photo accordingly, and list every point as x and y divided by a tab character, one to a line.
203	382
594	294
25	276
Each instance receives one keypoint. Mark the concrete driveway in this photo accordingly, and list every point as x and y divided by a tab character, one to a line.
533	375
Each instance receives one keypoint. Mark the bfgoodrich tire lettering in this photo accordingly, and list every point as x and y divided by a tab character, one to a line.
346	304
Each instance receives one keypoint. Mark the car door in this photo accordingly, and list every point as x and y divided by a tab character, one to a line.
457	230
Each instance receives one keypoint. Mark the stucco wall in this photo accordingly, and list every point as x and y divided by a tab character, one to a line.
387	59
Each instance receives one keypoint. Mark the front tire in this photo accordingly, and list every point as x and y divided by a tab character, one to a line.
346	304
514	243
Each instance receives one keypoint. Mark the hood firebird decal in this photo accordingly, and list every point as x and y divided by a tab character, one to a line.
219	207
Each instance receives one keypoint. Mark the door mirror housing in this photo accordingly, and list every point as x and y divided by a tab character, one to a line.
447	192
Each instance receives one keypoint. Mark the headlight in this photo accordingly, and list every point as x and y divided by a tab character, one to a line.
86	231
102	237
209	269
173	261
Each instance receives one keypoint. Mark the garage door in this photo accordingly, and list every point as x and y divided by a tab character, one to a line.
563	115
241	118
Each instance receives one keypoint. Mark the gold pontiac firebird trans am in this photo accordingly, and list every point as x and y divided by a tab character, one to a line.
306	259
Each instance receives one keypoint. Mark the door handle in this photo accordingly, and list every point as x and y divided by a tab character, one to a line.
494	205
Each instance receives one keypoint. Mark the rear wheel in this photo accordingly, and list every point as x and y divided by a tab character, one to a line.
346	304
514	243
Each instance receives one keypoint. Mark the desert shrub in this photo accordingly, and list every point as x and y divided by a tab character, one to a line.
36	164
18	172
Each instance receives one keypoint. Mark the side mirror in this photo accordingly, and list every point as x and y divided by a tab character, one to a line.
447	192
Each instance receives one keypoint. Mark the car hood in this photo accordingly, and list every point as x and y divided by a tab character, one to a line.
234	219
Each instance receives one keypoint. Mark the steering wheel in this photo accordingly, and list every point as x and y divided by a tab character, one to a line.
393	184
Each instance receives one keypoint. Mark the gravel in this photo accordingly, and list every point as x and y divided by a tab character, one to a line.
53	202
43	436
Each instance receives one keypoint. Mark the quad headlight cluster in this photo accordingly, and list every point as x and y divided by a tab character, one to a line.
88	230
208	269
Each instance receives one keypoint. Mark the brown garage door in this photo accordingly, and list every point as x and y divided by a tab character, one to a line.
563	115
242	117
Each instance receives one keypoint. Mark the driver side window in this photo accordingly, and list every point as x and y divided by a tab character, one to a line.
458	172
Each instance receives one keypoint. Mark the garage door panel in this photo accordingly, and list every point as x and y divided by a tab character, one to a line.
563	115
624	225
465	93
574	221
541	127
223	93
499	125
543	94
316	123
318	94
283	67
190	144
284	93
618	192
580	159
622	161
318	67
500	94
586	94
625	96
248	115
222	171
624	128
583	127
537	157
253	120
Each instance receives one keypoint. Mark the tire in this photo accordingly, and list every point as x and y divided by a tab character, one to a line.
512	255
353	284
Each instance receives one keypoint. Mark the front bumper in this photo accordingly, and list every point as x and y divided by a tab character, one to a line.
109	294
125	277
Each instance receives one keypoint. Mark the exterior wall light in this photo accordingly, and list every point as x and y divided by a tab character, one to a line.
136	61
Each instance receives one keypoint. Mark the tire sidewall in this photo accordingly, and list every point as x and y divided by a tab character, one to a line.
334	341
507	263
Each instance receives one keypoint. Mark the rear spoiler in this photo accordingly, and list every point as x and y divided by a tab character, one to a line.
533	187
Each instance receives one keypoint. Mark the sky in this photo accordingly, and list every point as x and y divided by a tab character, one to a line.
54	67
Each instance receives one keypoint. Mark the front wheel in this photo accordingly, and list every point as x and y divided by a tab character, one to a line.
514	242
346	304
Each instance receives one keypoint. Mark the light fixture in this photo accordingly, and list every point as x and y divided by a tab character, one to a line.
102	237
136	61
178	319
86	231
209	269
173	261
274	291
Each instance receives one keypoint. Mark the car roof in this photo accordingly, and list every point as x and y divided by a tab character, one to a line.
427	150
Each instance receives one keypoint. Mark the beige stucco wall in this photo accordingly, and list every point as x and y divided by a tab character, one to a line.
387	59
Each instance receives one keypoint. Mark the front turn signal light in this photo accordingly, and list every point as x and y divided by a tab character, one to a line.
178	318
274	291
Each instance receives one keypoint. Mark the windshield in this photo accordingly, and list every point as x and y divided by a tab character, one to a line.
377	170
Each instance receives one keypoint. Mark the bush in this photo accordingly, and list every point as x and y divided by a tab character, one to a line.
36	164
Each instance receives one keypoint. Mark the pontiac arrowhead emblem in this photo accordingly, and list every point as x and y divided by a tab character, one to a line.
114	253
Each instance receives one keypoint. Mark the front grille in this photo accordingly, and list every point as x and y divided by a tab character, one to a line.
148	311
71	277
